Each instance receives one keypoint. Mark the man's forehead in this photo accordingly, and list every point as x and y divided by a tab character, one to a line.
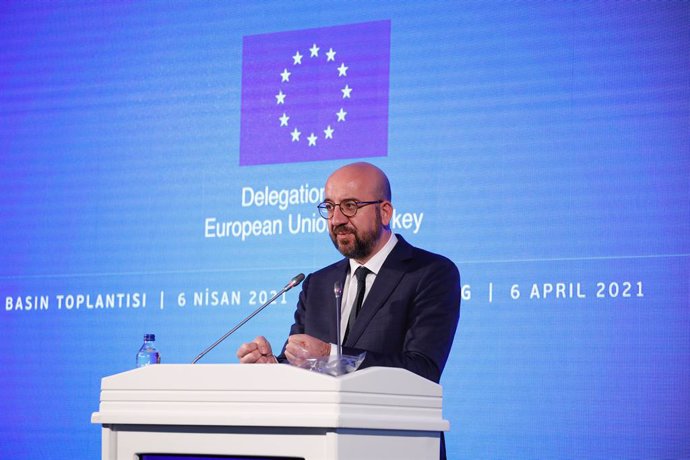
350	187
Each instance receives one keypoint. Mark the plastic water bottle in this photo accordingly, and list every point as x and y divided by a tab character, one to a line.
147	353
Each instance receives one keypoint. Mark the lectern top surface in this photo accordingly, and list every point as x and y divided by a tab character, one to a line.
269	377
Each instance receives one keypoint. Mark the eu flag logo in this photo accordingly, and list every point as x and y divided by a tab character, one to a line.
315	94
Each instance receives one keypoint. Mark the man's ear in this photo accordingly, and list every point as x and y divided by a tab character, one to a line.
386	212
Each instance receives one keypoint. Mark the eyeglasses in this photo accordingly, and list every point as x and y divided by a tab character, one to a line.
348	207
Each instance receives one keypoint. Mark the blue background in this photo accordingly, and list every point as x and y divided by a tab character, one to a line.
544	143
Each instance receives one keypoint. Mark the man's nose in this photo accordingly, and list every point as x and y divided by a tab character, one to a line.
338	217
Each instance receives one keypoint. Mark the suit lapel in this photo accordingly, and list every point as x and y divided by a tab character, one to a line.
387	280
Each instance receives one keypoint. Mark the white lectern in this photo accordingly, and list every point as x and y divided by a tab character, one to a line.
269	411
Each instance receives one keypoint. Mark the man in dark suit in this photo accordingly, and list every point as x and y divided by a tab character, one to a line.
400	304
402	310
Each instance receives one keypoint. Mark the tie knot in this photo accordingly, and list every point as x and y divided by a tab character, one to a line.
361	273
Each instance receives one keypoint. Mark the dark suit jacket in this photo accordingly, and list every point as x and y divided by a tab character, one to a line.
408	318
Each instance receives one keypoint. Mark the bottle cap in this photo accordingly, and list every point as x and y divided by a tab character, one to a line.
149	337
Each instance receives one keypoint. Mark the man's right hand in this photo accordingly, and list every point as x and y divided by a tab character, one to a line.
256	351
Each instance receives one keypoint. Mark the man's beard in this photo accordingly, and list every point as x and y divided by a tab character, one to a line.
362	246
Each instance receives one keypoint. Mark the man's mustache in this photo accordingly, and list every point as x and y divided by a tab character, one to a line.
342	229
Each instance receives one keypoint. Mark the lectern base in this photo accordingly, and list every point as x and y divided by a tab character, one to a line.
126	442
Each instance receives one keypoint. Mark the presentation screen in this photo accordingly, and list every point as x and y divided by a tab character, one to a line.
161	164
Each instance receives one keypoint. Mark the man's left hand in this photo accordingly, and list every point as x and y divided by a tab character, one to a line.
302	346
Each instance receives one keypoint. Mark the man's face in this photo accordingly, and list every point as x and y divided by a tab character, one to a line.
357	236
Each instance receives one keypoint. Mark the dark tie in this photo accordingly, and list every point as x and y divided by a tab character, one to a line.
361	275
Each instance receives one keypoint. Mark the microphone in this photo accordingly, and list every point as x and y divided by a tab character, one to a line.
293	282
338	293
